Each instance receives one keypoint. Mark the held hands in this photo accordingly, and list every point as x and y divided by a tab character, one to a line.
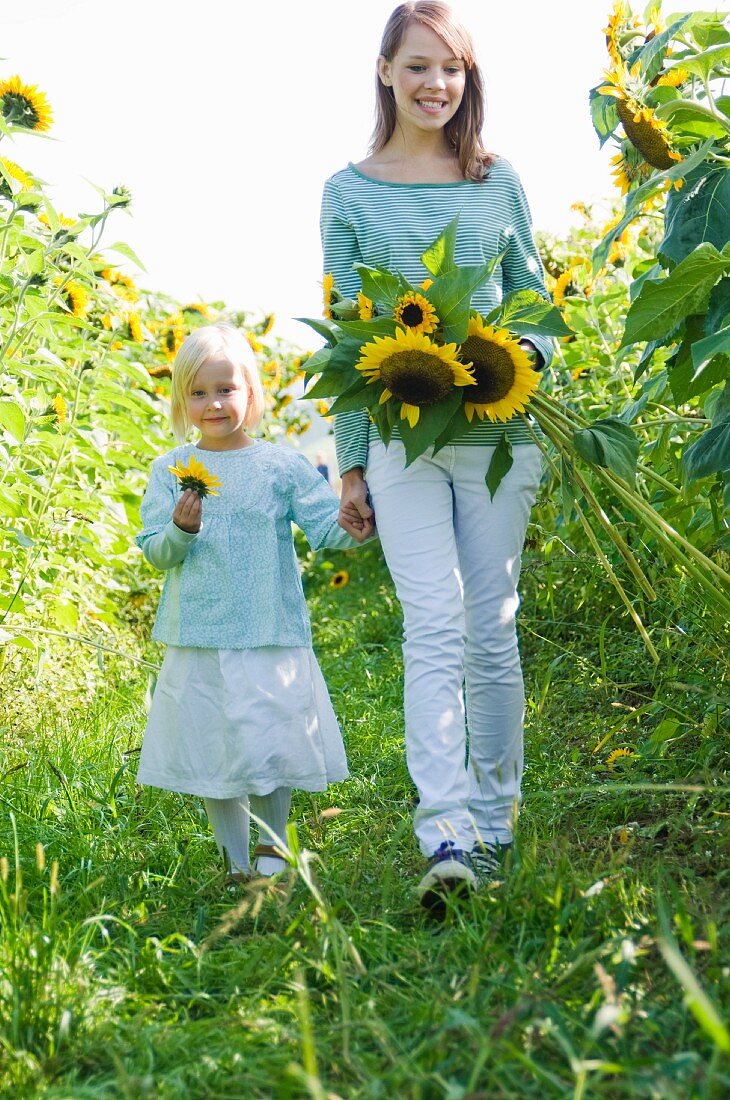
356	516
188	514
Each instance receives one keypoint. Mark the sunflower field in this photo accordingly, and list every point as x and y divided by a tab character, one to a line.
596	965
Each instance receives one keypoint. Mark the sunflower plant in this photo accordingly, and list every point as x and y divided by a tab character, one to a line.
419	358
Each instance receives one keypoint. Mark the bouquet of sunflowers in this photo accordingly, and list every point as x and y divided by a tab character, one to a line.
421	358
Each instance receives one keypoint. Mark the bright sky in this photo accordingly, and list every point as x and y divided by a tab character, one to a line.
224	118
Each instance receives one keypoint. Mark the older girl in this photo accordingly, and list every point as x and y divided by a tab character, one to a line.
454	554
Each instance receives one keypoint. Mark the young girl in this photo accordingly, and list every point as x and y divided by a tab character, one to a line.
454	553
240	713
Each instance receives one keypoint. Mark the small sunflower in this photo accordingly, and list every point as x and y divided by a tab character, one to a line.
328	291
505	380
195	476
23	105
173	336
340	579
64	222
76	297
415	312
269	320
563	285
647	133
365	307
60	408
10	168
254	344
286	400
673	78
629	168
197	307
323	409
413	369
135	327
619	755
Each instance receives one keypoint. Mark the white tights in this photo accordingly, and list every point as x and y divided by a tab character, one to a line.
230	821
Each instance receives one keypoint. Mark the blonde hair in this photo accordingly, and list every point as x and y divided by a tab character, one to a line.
195	349
463	131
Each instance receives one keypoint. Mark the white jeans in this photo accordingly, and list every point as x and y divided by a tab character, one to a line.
454	556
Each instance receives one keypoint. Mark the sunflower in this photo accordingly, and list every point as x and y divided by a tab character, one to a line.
622	755
64	222
269	320
254	344
617	21
340	579
322	408
647	133
197	307
10	168
672	78
365	307
415	312
630	168
135	327
77	299
413	369
563	285
173	336
286	400
23	105
328	290
502	371
60	408
195	476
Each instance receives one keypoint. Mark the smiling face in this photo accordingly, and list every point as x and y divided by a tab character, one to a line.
427	80
217	404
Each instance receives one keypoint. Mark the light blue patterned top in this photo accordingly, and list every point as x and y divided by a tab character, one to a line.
236	584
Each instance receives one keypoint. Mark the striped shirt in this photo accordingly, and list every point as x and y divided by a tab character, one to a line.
370	221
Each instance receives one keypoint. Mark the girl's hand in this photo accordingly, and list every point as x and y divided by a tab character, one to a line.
356	515
188	514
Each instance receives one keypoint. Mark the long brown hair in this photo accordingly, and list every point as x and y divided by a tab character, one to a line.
463	131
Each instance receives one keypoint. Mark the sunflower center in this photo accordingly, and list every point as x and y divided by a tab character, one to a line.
417	377
412	315
646	136
494	370
19	110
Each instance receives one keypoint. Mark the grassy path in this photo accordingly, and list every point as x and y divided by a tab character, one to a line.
127	971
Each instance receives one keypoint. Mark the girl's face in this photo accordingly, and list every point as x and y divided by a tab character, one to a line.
218	402
427	80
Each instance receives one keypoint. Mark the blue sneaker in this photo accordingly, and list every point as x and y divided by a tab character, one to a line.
448	872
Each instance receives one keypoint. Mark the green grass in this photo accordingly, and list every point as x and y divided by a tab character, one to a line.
127	970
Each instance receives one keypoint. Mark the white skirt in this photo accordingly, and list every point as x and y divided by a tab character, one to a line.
229	722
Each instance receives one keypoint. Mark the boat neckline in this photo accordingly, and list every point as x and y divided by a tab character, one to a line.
395	183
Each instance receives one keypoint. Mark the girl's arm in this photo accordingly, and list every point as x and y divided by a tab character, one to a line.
314	507
340	250
522	268
161	540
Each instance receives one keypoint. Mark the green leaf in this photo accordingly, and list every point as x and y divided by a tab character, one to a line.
704	350
609	443
710	454
499	465
702	64
356	396
431	423
603	114
322	326
697	1001
718	312
662	305
380	285
439	257
124	250
698	213
317	362
692	117
331	384
366	330
526	311
12	418
451	297
652	54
